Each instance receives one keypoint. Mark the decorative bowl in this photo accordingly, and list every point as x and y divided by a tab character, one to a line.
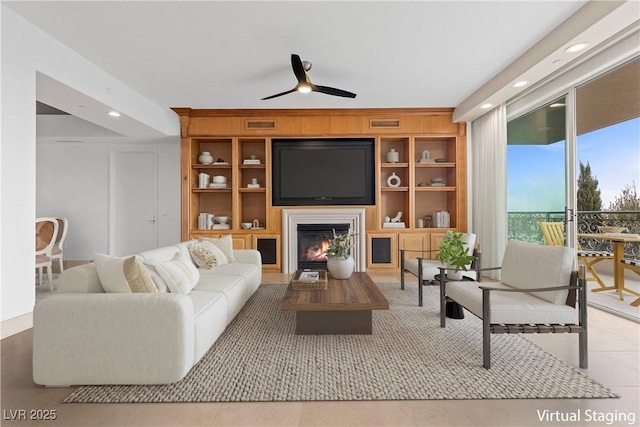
222	219
247	225
607	229
219	179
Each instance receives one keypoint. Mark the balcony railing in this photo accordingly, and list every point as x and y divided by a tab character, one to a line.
525	226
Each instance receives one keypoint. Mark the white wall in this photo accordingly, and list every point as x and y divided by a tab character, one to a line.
17	193
25	51
73	181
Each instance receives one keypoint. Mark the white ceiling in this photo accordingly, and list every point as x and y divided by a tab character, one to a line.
223	54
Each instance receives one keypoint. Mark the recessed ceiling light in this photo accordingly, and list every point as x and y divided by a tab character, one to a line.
521	83
485	106
577	47
114	114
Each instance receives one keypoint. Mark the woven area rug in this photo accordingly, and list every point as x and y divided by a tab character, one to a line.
408	357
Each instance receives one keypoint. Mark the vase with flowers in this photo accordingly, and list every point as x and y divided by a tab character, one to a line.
340	263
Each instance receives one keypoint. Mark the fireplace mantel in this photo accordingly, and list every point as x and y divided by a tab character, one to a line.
355	217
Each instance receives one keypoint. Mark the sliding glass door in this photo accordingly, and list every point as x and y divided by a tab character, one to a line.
539	171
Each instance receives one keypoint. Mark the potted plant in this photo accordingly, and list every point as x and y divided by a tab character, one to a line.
453	253
340	263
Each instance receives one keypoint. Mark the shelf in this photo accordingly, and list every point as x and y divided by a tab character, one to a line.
436	165
394	165
211	190
253	190
199	166
243	166
396	189
436	188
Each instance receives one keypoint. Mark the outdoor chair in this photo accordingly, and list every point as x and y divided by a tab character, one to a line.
553	233
633	265
425	269
536	294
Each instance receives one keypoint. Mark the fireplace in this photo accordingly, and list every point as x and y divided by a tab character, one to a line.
313	240
354	218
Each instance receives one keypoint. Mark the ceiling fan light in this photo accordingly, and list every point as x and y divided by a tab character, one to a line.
304	88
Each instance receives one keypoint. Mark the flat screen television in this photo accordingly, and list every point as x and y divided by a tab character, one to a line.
323	171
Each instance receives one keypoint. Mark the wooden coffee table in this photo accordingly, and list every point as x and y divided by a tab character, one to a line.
345	307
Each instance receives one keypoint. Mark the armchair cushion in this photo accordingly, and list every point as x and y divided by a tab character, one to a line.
511	307
528	265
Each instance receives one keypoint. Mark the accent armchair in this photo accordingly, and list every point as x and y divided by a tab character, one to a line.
536	294
426	269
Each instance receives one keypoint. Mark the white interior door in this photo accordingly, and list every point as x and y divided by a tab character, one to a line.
133	197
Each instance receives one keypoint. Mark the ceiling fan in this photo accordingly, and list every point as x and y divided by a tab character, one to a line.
304	83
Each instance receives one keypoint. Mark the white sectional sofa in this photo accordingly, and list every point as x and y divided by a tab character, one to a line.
86	335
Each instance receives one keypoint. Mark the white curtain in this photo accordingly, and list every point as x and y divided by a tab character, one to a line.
489	185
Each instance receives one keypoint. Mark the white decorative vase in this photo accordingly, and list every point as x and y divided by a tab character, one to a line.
340	268
453	274
205	158
393	156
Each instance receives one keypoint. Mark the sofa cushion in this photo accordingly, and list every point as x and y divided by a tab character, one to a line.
225	243
234	287
252	275
123	274
209	320
207	255
179	273
510	307
529	265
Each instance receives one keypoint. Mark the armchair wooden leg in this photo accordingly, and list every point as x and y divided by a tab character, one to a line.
50	277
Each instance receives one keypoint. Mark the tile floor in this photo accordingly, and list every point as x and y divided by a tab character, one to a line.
614	360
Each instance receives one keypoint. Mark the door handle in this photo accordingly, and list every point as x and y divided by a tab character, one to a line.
152	220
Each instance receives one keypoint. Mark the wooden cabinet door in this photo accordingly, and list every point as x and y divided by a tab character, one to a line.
382	251
435	241
414	244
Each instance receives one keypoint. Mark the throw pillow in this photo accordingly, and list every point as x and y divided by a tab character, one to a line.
160	283
207	255
123	274
225	244
179	273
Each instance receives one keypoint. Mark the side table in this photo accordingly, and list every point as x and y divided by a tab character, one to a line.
453	309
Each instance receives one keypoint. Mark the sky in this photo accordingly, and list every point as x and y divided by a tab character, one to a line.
535	173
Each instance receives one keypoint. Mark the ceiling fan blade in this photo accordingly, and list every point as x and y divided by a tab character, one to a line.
279	94
298	69
333	91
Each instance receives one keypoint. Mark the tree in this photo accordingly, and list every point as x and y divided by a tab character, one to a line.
628	200
588	193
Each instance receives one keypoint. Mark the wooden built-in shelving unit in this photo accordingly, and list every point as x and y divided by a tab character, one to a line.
235	135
